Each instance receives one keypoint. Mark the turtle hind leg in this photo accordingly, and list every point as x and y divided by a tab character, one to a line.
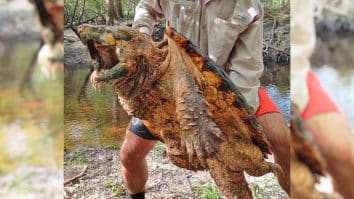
267	167
263	168
232	184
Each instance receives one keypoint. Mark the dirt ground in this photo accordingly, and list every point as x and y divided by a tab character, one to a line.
32	182
102	178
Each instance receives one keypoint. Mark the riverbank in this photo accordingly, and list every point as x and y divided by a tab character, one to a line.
102	179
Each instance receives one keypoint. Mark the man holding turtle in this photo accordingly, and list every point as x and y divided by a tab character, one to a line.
230	33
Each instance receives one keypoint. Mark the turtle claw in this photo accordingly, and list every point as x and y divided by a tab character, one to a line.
93	80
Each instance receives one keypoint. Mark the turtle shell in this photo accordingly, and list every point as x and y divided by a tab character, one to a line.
214	73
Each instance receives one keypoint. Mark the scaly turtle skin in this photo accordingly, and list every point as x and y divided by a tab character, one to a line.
307	163
185	100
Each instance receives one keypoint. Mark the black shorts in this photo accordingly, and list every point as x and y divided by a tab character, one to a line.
139	129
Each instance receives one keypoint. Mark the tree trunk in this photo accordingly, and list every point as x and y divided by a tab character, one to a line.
119	10
111	14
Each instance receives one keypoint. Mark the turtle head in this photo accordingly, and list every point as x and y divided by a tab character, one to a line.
103	35
101	42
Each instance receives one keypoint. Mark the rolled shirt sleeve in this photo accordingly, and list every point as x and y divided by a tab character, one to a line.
147	14
303	40
246	62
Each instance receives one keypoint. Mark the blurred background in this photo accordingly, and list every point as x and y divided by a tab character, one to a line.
333	57
31	121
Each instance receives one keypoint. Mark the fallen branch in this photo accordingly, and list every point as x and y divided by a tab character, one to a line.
76	177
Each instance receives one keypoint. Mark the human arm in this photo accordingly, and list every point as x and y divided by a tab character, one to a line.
302	44
147	14
245	62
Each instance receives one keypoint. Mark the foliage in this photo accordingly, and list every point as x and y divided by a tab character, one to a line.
208	191
96	11
275	4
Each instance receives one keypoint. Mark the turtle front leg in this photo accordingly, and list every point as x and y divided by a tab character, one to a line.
200	136
117	71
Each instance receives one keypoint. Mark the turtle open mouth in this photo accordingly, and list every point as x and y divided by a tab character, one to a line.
104	55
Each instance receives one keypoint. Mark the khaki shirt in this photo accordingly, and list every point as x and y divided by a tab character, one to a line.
230	32
303	40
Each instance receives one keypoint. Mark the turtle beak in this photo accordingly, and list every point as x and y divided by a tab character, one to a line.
114	73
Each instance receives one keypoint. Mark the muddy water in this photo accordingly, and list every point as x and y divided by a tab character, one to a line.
28	123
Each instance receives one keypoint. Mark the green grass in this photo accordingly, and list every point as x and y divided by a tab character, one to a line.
259	191
78	158
207	191
275	4
115	186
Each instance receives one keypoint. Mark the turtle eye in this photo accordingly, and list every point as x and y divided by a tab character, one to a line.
79	28
120	50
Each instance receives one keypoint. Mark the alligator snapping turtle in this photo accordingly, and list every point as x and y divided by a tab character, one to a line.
185	100
307	163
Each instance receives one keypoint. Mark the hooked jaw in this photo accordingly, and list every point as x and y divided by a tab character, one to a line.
116	72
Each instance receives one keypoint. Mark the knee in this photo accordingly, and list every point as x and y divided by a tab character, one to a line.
129	157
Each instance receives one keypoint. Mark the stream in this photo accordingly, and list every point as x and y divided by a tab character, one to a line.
90	121
31	128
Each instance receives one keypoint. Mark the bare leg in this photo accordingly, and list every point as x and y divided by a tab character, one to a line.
279	137
133	164
336	142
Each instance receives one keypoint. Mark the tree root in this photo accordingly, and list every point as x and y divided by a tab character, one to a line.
67	181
